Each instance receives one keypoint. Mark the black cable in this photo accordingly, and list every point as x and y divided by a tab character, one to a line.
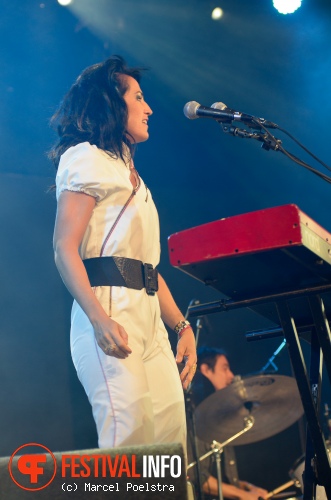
280	148
304	148
305	165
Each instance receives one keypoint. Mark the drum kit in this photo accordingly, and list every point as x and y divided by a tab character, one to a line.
249	410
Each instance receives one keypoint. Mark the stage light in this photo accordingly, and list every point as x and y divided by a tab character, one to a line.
217	13
286	6
64	2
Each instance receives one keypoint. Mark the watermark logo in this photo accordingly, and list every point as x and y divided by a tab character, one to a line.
33	467
29	470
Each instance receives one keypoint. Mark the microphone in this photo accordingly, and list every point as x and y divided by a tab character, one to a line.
221	113
222	107
218	111
243	117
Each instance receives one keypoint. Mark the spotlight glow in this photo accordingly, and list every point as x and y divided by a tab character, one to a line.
286	6
217	13
64	2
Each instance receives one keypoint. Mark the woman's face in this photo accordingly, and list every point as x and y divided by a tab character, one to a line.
138	110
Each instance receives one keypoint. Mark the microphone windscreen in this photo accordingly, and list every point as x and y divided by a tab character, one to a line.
219	105
190	110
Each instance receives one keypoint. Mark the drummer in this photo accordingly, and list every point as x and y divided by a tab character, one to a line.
214	374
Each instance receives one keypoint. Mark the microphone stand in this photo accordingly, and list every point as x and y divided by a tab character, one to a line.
270	361
270	142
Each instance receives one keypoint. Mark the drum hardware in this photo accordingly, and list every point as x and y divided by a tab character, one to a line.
217	450
273	401
189	406
190	491
248	424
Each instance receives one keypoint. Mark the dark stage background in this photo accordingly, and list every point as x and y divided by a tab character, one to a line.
253	59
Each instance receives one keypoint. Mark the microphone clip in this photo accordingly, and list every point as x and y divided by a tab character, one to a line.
236	131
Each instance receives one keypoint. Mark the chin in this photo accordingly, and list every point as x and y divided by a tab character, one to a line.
143	139
137	140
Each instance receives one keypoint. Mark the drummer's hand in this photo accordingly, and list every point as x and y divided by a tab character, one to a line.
252	492
186	351
111	337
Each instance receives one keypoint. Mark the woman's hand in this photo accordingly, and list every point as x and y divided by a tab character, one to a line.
112	338
186	351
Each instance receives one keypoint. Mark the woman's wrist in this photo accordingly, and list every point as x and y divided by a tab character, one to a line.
181	327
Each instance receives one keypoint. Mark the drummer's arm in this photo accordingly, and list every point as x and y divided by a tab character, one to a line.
230	491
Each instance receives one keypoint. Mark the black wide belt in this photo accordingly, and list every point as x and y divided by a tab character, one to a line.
121	271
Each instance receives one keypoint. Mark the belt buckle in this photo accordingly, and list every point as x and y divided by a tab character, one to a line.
150	278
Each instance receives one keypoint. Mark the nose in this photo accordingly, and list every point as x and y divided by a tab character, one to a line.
148	110
231	377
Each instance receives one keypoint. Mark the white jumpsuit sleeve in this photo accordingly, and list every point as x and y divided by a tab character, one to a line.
84	168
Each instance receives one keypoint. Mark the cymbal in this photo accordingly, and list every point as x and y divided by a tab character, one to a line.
273	400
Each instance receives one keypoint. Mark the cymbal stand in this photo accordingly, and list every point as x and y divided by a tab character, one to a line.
198	327
195	302
192	436
189	406
217	449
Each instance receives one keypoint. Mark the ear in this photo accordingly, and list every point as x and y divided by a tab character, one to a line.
204	369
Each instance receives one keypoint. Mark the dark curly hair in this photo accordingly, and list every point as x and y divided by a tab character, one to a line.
209	355
95	111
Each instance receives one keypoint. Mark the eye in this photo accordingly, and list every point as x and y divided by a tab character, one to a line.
139	97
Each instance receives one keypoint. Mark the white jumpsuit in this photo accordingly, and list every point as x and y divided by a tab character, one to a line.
137	400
